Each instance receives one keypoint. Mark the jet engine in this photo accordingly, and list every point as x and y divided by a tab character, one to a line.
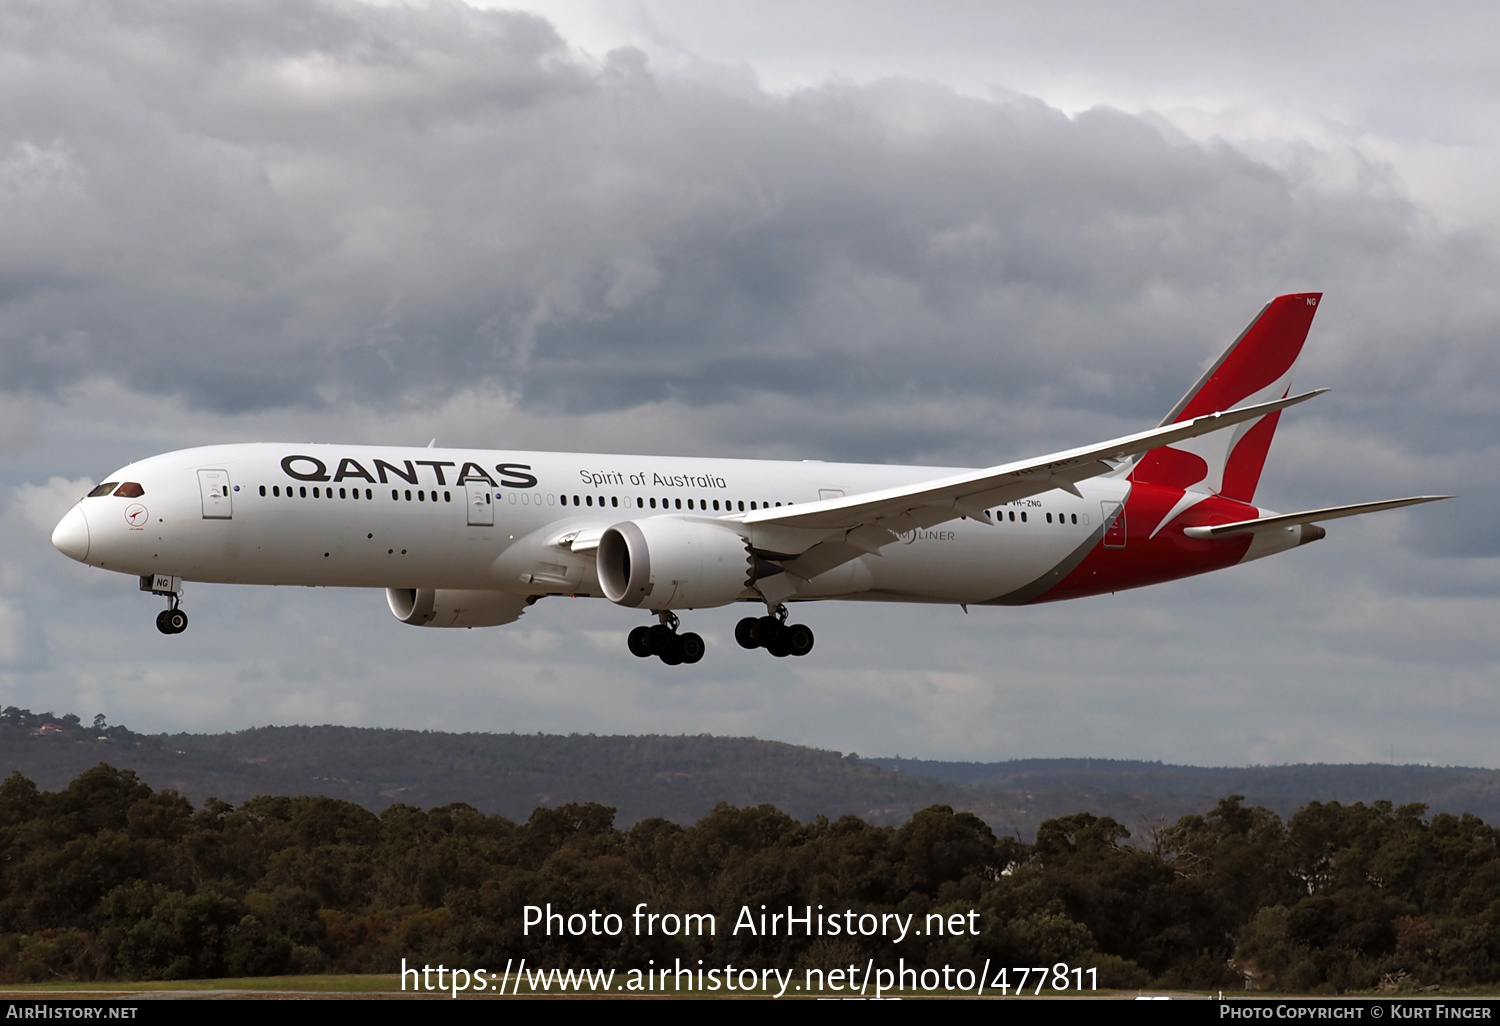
671	563
448	607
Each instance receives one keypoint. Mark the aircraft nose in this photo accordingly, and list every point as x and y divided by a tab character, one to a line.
71	536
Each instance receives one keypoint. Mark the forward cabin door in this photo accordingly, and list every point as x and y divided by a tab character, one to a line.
481	504
213	486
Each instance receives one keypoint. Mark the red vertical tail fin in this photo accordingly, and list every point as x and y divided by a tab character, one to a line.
1256	368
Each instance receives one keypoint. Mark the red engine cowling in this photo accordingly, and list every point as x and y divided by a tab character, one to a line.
672	563
448	607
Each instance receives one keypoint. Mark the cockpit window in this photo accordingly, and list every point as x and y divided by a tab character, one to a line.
103	489
129	490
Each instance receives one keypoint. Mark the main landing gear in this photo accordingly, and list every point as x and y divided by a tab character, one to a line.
770	632
665	643
774	634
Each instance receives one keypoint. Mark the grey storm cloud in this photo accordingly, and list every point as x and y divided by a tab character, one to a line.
295	218
292	204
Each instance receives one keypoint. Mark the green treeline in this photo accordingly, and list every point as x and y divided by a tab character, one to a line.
107	879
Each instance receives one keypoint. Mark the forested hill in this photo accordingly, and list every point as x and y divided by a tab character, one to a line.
677	778
683	778
1283	789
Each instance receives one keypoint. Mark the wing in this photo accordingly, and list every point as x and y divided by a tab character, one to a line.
810	539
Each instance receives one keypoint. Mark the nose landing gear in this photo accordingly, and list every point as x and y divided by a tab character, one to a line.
774	634
171	620
665	643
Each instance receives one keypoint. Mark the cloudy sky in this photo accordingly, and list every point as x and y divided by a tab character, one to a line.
842	231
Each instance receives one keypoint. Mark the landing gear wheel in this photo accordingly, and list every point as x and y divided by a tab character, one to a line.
767	630
799	639
171	621
161	621
673	656
640	642
744	632
661	639
691	647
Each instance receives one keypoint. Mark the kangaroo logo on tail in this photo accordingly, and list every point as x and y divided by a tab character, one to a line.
1256	368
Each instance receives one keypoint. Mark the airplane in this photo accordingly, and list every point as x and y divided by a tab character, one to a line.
472	538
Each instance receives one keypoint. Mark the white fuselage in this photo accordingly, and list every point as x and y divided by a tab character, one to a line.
383	517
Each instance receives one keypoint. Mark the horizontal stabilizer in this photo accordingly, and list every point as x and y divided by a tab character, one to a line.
1307	517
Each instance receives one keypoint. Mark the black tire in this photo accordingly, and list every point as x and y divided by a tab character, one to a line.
663	639
744	633
673	655
767	630
640	642
162	623
778	646
177	621
691	646
799	639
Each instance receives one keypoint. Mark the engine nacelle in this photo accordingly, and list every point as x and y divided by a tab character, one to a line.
670	563
448	607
